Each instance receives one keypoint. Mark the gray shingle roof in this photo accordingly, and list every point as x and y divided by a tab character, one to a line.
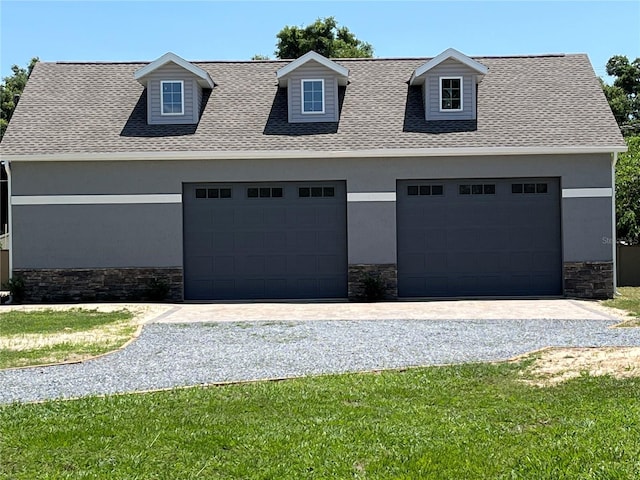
527	101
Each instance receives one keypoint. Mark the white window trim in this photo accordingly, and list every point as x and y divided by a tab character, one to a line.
461	94
162	82
302	82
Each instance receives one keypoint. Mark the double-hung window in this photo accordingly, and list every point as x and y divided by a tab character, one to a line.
450	93
313	96
172	97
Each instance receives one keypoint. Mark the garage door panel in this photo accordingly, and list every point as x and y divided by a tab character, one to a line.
490	242
276	244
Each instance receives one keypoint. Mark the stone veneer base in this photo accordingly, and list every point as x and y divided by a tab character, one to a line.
588	279
97	284
387	273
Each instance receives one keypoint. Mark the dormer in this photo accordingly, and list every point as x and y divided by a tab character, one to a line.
312	83
174	90
449	83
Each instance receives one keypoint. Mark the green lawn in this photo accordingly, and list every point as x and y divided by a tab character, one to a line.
49	336
629	299
459	422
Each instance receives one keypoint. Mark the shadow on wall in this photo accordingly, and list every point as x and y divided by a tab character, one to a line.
414	120
278	120
137	126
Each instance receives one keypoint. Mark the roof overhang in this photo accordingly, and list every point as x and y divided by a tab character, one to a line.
417	77
202	77
340	71
288	154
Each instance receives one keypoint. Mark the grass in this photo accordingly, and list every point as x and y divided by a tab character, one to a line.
458	422
49	336
629	300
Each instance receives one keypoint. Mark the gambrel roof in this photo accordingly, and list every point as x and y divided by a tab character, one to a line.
524	103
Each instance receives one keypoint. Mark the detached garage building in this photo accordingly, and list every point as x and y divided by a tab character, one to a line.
443	177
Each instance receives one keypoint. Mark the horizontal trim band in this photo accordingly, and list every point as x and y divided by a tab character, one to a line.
95	199
586	192
278	154
371	197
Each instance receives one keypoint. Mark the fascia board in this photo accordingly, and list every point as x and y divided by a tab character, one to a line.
207	81
448	53
286	154
322	60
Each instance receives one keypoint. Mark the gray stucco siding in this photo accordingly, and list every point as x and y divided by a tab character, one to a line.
431	91
192	95
312	71
587	229
371	228
93	236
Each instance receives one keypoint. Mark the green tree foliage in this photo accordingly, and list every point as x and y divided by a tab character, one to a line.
324	37
624	94
628	192
11	87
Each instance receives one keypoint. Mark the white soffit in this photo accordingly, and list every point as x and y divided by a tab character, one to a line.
342	72
417	75
204	79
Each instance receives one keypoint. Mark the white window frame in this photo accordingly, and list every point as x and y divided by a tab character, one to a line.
302	82
461	94
162	112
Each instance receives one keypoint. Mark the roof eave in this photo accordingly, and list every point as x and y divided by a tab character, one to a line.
287	154
204	79
342	72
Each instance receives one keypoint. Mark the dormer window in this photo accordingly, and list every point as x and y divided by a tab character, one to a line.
172	100
450	94
174	89
449	84
313	88
313	96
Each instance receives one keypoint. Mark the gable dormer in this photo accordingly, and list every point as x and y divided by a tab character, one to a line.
449	82
312	83
174	90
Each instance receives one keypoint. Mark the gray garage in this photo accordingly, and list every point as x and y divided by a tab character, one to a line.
479	237
265	240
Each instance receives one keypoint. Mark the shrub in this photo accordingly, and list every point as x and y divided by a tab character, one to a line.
157	290
373	288
16	289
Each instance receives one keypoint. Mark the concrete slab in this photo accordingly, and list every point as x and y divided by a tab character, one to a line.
433	310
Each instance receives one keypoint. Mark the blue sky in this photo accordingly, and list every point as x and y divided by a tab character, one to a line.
217	30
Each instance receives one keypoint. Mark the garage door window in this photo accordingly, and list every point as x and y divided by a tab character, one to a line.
425	190
316	192
213	193
529	188
264	192
477	189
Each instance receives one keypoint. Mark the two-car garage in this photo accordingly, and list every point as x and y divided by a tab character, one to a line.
455	238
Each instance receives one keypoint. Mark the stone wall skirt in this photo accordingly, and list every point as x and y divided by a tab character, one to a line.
588	279
98	284
385	274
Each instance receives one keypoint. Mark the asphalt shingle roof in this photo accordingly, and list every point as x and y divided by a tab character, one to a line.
525	101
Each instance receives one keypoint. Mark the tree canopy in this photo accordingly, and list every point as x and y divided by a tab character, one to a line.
325	37
624	94
10	89
628	192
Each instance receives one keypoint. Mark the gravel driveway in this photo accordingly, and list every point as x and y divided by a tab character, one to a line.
169	355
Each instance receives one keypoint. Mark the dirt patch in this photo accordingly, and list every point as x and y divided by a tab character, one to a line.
556	365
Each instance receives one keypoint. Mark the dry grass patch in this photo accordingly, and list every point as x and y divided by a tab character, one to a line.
36	337
556	365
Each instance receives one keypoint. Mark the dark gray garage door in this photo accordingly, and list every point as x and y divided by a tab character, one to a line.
479	237
259	240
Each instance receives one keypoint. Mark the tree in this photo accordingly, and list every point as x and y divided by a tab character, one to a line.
324	37
628	192
10	89
624	94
